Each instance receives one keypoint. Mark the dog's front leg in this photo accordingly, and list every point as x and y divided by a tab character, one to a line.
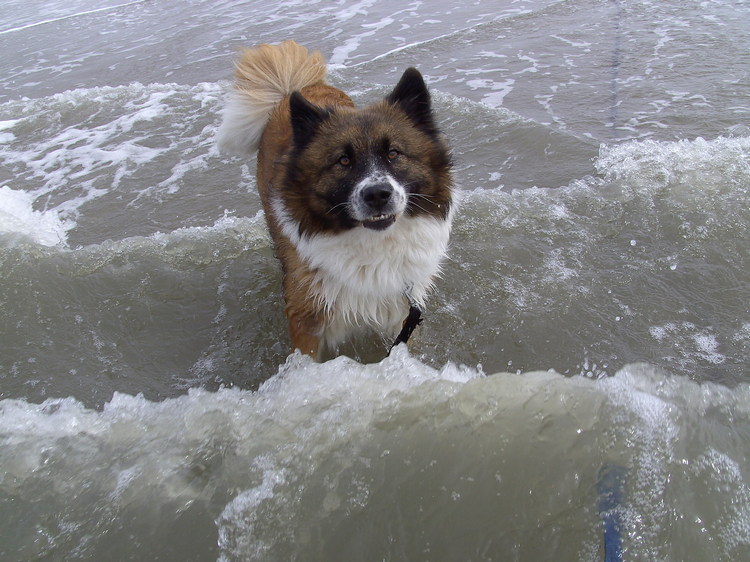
304	330
303	313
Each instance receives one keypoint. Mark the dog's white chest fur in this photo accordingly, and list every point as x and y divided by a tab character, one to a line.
362	276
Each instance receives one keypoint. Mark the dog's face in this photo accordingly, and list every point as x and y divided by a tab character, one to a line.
367	168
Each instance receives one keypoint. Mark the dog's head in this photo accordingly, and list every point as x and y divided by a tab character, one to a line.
367	168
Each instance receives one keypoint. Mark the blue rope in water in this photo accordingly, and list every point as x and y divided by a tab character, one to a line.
610	488
614	83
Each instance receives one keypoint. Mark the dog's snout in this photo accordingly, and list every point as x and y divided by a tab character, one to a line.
377	196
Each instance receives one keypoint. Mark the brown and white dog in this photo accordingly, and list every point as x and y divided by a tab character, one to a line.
358	202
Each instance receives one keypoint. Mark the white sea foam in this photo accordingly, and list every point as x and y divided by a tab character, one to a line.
498	89
17	216
69	16
692	167
79	146
6	137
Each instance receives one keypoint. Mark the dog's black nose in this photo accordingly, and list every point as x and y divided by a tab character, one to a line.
377	196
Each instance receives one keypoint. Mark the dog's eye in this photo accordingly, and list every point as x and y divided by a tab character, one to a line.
393	154
345	161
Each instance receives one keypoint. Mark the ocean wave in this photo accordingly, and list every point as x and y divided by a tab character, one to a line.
356	445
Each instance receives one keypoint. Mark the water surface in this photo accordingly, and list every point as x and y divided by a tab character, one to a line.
593	312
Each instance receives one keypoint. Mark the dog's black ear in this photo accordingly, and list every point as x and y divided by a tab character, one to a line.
411	95
306	118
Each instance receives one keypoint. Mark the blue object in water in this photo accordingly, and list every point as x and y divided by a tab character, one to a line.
610	487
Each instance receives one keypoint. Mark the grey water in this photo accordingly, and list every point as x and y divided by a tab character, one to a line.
593	311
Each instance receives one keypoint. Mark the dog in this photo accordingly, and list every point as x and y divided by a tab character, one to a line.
358	202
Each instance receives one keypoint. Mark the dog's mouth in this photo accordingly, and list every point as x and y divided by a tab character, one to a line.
379	222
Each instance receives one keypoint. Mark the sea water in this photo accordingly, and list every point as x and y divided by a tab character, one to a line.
593	313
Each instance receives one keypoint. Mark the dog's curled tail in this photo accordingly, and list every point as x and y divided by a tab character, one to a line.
264	75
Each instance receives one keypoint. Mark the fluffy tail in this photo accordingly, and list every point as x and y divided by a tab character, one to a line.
263	77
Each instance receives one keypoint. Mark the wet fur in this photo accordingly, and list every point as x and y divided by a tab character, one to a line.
358	201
